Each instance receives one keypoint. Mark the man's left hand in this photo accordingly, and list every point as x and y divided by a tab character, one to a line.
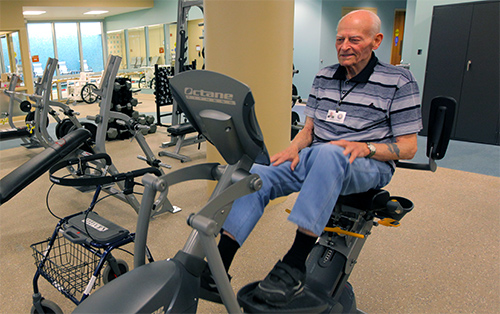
354	149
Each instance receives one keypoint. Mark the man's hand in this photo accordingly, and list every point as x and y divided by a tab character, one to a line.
291	153
303	139
354	149
404	148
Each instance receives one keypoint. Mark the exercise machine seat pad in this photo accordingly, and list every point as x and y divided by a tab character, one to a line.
222	110
28	172
181	129
14	133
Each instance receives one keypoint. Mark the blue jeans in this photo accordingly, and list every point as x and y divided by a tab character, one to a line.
322	174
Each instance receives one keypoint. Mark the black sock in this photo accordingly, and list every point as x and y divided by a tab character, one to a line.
227	249
301	247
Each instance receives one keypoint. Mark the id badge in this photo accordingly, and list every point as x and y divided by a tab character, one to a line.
336	116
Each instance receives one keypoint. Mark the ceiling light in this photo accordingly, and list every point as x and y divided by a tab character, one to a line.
34	12
96	12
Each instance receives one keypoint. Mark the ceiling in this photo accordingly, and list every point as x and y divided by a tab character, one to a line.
75	13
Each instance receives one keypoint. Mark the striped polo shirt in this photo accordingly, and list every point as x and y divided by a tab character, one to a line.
377	105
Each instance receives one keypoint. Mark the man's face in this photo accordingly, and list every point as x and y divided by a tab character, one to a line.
354	43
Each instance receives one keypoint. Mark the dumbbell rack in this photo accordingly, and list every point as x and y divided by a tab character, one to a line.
123	101
163	95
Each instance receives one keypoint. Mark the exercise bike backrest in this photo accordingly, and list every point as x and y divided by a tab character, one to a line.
441	117
209	99
25	174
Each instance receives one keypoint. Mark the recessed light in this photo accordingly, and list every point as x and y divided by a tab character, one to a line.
34	12
96	12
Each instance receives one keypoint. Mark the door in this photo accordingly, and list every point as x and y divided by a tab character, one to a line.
397	36
446	56
479	109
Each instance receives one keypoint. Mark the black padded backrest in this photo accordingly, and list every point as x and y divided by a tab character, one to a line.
441	117
28	172
222	109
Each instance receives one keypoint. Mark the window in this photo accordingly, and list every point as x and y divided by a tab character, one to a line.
92	46
17	54
116	46
10	52
69	42
157	45
5	55
173	40
137	47
68	51
41	45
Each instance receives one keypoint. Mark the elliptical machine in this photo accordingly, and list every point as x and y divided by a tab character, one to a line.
221	109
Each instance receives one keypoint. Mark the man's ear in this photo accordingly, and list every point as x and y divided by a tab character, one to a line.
377	40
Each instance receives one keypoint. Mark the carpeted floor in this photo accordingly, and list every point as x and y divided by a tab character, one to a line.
444	258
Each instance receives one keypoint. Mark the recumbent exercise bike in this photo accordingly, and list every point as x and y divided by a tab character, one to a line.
222	109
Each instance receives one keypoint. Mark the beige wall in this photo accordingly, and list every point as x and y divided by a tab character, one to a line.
194	34
12	20
252	41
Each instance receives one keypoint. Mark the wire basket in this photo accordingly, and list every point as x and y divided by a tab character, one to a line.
68	267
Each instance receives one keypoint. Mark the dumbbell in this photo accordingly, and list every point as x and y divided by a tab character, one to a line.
135	115
150	119
152	128
112	133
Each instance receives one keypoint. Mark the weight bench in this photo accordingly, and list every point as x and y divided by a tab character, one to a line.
22	176
179	132
13	133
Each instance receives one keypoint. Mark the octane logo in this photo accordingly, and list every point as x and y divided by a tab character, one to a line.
209	96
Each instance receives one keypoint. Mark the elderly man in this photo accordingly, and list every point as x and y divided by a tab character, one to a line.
362	114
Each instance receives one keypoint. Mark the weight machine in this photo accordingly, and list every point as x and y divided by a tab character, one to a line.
23	133
179	129
105	94
36	133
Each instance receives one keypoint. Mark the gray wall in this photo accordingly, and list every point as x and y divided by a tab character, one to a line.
306	43
164	12
315	32
419	29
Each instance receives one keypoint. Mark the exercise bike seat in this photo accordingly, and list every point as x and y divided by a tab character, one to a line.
371	199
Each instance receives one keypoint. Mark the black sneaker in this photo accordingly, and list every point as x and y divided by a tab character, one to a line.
281	285
208	288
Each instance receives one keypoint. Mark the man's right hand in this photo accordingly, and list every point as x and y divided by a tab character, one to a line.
291	153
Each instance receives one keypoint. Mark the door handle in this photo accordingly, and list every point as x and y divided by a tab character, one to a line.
469	63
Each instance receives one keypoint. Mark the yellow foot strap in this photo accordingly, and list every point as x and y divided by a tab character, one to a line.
389	222
340	231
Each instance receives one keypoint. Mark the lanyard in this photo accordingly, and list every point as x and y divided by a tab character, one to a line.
344	95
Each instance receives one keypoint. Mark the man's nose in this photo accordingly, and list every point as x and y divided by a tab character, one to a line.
344	45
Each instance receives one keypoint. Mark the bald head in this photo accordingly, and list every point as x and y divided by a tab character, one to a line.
358	34
366	20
